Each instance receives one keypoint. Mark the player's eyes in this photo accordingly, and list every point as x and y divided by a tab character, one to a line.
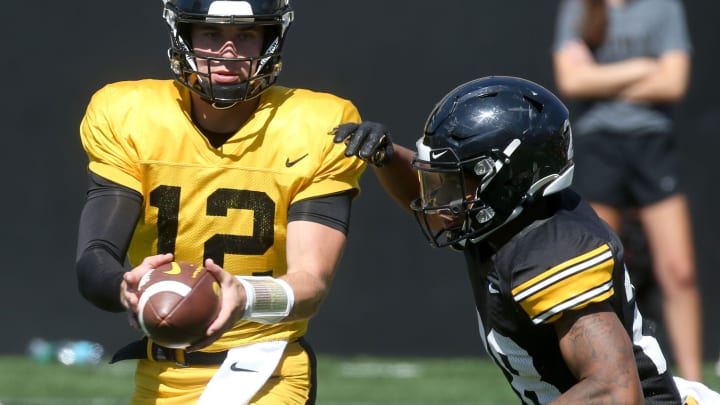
248	35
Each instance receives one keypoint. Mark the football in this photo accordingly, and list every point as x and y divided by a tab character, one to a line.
178	301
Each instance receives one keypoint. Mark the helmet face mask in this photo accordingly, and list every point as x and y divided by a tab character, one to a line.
445	201
274	17
490	147
451	206
447	210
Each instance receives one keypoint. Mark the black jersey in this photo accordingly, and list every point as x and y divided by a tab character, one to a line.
561	263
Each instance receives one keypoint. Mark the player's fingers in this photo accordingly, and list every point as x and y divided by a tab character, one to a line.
133	320
356	141
151	262
157	260
221	275
224	278
131	278
216	328
343	131
229	297
221	324
375	140
128	298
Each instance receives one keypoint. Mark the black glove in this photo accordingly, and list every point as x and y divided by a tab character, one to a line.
370	141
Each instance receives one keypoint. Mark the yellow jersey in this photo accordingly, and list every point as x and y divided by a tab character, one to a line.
228	203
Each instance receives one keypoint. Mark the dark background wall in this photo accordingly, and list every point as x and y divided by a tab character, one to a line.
393	295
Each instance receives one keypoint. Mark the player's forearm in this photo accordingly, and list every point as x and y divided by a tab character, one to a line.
596	392
264	299
99	276
398	177
309	291
313	254
598	352
106	225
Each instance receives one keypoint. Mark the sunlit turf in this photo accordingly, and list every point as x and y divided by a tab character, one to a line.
341	381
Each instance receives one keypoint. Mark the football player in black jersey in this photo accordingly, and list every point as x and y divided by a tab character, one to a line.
555	303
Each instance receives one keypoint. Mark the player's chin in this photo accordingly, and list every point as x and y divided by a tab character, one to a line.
224	78
443	222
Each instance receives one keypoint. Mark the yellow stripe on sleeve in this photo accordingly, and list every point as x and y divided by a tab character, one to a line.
570	285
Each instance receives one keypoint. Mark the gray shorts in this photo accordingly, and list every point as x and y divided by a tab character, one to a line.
624	170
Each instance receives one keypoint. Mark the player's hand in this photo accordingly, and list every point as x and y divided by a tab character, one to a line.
232	305
129	295
370	141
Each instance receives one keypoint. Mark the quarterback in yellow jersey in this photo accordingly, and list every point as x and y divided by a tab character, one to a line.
224	168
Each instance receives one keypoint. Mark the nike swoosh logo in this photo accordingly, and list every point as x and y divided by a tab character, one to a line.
438	154
234	367
290	163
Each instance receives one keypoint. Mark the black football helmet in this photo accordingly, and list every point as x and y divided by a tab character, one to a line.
275	15
490	147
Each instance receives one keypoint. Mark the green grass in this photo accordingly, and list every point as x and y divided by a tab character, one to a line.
342	381
475	381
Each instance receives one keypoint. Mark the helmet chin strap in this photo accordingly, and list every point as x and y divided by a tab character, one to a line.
222	106
512	216
226	92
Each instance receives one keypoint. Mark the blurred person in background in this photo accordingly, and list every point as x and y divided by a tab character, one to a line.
623	65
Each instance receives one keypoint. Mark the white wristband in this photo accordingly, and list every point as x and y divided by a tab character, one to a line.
268	300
